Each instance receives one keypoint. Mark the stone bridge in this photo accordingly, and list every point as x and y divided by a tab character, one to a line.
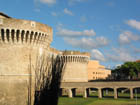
115	86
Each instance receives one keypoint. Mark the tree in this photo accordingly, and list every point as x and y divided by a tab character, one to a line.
128	70
48	75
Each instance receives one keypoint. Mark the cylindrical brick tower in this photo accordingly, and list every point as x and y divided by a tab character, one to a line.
19	39
76	66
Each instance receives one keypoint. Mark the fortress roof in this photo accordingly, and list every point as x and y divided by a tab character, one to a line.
4	15
69	52
75	53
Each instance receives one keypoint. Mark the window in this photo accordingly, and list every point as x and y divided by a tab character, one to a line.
1	21
33	24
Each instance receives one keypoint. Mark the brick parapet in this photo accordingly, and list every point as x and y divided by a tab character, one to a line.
17	30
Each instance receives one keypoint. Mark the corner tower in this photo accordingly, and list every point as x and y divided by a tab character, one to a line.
18	40
76	66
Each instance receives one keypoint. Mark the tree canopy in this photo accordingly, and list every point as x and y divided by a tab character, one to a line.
128	70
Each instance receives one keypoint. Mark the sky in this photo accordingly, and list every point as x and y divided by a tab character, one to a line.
108	29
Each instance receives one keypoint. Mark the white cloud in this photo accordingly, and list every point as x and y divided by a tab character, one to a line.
96	54
120	55
66	11
102	40
67	32
133	23
50	2
127	36
53	13
87	43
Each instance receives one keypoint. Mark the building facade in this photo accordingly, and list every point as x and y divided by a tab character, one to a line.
97	71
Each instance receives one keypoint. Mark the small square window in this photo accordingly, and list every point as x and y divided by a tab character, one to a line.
33	24
1	21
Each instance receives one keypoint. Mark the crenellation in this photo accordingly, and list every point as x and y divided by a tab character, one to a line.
75	58
17	36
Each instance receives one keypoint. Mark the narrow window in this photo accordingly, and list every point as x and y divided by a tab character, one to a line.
27	35
31	37
17	35
2	35
7	35
12	35
22	35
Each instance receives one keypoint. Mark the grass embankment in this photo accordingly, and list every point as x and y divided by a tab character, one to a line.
108	99
96	101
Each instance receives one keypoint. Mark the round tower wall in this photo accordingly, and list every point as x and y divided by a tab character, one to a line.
75	69
20	40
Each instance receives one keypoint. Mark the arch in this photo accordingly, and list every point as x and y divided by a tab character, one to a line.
39	37
26	36
123	92
45	37
2	35
136	91
12	35
122	87
35	36
107	92
78	59
71	58
17	35
31	36
92	92
66	58
7	34
22	35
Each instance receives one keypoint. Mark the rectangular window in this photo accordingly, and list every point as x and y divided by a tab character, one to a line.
33	24
1	21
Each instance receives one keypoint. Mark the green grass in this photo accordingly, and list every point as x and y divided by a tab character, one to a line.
96	101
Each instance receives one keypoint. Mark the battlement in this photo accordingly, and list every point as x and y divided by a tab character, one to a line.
75	53
75	56
24	31
71	56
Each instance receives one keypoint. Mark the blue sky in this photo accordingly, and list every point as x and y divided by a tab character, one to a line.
108	29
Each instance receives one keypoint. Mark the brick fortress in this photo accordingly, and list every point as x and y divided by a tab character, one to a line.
18	40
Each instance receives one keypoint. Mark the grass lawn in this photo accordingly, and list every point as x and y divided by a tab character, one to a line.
96	101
